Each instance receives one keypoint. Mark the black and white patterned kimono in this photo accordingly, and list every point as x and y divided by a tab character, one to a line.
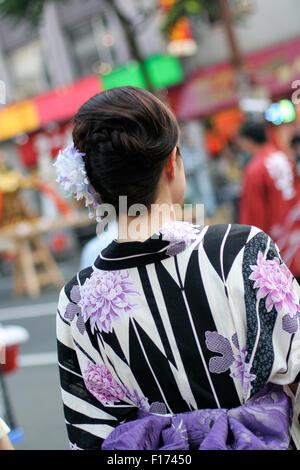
193	318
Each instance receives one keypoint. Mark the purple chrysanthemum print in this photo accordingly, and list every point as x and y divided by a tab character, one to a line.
179	234
73	309
275	283
102	385
107	296
241	371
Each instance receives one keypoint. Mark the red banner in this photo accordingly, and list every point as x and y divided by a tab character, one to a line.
57	105
50	141
63	103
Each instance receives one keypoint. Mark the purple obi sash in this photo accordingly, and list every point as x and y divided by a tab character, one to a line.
263	423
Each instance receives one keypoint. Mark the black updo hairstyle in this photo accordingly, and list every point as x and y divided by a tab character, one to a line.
127	135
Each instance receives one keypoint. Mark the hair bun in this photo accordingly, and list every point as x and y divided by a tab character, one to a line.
100	140
102	135
127	135
119	140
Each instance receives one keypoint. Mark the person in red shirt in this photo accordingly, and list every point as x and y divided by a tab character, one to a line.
270	196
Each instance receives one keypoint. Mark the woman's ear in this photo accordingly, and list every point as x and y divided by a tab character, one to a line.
170	166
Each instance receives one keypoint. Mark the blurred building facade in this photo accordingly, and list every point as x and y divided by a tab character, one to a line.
51	70
74	39
57	66
267	23
268	37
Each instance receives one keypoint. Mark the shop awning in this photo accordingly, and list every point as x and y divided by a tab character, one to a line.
213	88
63	103
58	105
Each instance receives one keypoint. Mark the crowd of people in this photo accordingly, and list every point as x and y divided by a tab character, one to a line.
270	196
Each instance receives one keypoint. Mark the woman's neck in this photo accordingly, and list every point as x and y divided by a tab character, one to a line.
143	226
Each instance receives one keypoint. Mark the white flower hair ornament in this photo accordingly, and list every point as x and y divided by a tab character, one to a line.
71	174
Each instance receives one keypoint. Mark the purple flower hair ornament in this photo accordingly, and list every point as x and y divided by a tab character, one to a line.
71	174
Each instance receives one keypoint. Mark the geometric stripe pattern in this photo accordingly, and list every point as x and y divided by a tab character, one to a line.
161	351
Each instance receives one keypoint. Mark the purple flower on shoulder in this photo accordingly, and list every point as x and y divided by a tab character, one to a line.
73	309
275	283
107	296
102	385
179	234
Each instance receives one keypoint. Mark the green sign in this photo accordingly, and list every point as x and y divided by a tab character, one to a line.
130	74
163	71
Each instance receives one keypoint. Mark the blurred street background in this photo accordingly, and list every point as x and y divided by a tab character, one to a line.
215	62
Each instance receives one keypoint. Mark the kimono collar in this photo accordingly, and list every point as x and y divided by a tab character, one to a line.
170	240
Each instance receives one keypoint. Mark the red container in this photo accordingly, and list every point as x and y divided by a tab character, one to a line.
11	359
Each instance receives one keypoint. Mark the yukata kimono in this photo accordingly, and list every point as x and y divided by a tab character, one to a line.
185	341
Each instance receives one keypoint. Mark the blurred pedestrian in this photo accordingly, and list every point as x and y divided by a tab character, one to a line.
165	342
295	146
5	443
94	247
270	198
199	187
